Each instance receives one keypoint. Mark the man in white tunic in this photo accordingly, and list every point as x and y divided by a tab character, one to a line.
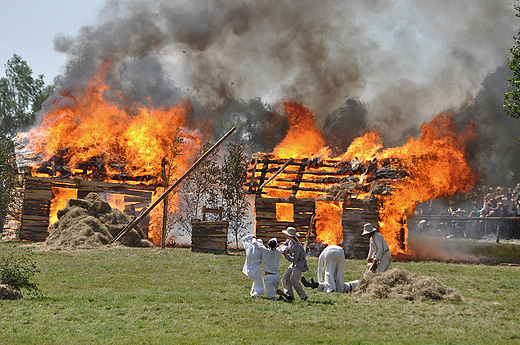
332	261
271	259
252	266
379	257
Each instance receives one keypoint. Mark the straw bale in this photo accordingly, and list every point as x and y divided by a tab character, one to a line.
91	223
399	283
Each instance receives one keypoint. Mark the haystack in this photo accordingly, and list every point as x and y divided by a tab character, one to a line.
90	223
398	283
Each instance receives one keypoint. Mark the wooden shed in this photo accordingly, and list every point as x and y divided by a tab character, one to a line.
39	193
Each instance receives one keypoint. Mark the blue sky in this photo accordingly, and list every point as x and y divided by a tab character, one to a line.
27	28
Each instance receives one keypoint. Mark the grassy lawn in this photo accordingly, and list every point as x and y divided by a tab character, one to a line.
173	296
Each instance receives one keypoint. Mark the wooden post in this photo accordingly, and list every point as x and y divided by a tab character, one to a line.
308	236
164	223
145	212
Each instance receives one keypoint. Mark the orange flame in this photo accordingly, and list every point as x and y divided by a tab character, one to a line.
329	228
99	134
303	138
59	201
91	127
284	212
435	162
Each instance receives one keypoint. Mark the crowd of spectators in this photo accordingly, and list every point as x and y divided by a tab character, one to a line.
500	205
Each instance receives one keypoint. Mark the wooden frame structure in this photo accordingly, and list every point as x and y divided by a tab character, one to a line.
293	176
37	199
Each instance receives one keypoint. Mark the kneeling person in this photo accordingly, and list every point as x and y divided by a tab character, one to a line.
271	259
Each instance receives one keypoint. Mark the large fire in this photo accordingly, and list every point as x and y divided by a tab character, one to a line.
435	163
89	133
96	133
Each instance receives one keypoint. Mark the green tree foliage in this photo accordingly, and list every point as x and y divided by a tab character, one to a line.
233	179
9	181
21	96
16	271
512	96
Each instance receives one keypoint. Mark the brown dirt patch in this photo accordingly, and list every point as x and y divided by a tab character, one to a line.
398	283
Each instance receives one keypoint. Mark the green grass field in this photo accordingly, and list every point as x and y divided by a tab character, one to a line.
173	296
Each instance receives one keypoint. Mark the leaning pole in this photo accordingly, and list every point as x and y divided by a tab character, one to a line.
145	212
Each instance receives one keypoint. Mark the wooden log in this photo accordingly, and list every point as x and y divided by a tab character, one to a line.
306	189
289	161
137	199
78	183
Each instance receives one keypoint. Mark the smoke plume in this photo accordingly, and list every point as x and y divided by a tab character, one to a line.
390	65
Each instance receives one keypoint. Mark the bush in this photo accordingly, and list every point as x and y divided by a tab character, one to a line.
16	270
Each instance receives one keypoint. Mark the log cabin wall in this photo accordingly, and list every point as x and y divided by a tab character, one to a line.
356	214
267	226
38	196
35	210
209	237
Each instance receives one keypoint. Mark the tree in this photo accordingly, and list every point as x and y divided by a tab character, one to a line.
201	187
512	96
233	178
21	96
9	181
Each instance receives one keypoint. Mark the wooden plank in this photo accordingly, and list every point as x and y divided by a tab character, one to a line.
33	232
305	189
38	194
268	215
80	183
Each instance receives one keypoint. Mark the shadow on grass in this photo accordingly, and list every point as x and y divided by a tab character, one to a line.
321	302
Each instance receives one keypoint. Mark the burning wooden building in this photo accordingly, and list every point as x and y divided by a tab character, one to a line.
327	201
42	197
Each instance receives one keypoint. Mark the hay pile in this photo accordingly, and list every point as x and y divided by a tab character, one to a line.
91	223
398	283
338	192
